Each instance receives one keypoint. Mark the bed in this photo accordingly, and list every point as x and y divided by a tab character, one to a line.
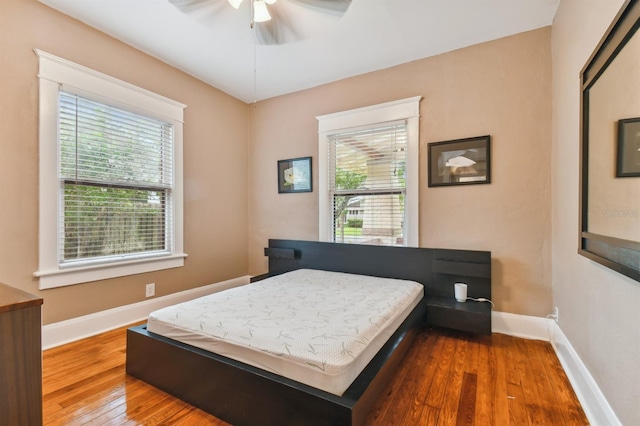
243	392
320	328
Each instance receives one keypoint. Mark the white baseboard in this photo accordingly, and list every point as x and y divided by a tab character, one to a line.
62	332
593	402
524	326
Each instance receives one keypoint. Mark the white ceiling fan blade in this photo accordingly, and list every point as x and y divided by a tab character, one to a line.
331	7
295	20
200	8
277	30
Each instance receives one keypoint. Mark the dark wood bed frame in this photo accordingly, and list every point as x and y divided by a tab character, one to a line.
245	395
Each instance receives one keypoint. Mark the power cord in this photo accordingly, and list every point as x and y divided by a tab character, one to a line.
481	299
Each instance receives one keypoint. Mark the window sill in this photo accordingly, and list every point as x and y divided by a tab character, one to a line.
64	277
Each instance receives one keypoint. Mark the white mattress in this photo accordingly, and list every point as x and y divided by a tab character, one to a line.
316	327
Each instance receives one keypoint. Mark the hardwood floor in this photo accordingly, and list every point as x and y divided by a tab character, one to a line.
447	378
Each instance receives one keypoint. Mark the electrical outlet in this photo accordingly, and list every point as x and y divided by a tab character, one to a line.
556	314
150	290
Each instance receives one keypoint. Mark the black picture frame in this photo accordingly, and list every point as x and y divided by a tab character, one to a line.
628	157
460	162
295	175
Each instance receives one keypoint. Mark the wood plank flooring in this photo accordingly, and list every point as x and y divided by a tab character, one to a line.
447	378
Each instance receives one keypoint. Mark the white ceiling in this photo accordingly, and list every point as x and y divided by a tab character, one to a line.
217	45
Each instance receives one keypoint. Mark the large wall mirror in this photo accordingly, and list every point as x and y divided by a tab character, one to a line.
610	149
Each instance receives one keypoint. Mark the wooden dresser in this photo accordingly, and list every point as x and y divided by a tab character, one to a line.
20	358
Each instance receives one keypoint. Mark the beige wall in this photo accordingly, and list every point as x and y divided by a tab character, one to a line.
215	152
501	88
598	307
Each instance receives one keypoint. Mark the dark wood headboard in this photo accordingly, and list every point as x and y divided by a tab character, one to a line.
378	261
436	269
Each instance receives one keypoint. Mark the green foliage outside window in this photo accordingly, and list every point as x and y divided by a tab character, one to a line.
102	221
344	180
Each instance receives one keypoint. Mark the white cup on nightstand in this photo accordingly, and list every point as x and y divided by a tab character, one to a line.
460	290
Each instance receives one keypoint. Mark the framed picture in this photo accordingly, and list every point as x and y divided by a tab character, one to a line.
628	164
294	175
460	162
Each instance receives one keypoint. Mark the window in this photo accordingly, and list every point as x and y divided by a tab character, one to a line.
115	175
367	170
368	175
110	177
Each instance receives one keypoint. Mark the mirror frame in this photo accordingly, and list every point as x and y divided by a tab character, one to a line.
602	248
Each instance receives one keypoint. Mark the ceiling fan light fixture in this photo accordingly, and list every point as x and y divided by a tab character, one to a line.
260	12
235	3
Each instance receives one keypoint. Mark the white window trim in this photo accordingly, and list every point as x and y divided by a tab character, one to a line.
329	124
56	73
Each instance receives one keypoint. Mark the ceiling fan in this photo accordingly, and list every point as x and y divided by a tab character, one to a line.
274	21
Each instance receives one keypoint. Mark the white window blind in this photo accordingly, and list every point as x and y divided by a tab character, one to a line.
115	170
367	184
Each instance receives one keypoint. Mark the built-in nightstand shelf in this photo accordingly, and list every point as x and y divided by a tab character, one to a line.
256	278
472	268
469	316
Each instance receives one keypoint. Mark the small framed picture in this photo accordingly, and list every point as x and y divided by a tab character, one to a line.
460	162
628	162
294	175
